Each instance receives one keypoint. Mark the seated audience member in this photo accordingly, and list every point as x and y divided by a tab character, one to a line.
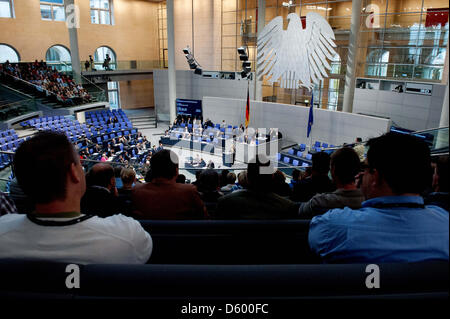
50	174
181	179
101	197
279	184
393	224
208	187
197	176
318	182
6	205
163	198
230	180
345	165
359	148
439	194
128	178
242	181
117	174
296	174
223	178
258	201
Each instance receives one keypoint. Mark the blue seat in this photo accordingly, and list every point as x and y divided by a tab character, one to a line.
105	137
308	156
304	164
295	162
134	131
302	147
113	135
286	160
291	151
278	156
318	149
317	144
299	154
325	145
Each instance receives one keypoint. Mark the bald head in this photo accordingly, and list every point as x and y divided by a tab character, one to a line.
101	174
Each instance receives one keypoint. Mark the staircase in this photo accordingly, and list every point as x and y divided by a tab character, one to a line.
143	121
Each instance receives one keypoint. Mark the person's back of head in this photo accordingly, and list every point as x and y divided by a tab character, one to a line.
128	176
223	177
358	140
259	173
278	177
345	165
320	163
399	161
118	171
181	179
295	174
231	178
45	166
164	164
208	181
101	174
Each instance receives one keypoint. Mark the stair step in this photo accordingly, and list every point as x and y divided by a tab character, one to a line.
145	127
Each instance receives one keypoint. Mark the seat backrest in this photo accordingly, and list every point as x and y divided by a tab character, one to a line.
295	162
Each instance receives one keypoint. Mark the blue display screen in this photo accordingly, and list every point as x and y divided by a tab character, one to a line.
189	107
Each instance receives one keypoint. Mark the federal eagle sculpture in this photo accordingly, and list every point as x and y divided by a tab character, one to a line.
296	57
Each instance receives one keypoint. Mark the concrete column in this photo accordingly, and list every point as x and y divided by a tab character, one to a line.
171	52
350	74
261	22
72	23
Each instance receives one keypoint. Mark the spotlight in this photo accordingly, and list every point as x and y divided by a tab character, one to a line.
287	4
187	50
193	64
246	64
242	50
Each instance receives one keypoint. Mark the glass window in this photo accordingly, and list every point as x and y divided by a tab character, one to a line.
94	17
46	12
8	53
101	12
104	17
6	9
113	95
58	14
101	55
52	10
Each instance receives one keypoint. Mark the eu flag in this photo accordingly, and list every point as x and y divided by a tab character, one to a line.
311	116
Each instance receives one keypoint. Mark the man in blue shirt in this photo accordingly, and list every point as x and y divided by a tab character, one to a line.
393	224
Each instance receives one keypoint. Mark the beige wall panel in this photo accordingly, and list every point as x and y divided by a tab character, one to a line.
136	94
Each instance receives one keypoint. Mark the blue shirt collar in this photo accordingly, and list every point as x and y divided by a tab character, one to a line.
393	200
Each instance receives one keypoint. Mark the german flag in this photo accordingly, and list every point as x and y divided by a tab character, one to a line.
247	109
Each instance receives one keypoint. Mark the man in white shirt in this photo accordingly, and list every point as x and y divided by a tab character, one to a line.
50	174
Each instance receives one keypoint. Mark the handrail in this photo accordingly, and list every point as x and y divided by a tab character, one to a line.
18	102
